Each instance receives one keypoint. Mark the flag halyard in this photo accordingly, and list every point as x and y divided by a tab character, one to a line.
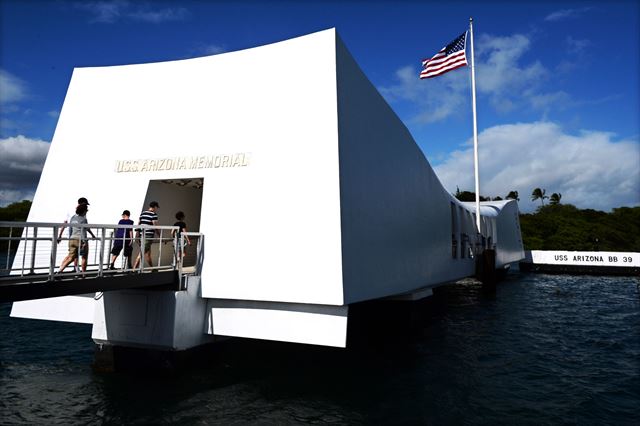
449	58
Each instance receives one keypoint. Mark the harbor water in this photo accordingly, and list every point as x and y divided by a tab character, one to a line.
540	349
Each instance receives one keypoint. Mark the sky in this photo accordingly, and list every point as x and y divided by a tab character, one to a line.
557	83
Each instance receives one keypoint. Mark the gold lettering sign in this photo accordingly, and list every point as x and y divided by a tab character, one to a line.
239	159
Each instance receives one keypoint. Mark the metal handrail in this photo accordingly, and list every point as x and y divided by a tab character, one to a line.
36	251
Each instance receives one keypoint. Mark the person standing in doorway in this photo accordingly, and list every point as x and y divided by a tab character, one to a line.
182	227
148	217
122	239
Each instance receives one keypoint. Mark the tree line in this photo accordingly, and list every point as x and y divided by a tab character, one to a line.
16	212
553	226
565	227
537	194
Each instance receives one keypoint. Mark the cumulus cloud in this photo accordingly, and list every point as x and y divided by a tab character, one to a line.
21	162
12	88
439	99
577	46
503	78
203	49
591	169
109	12
564	14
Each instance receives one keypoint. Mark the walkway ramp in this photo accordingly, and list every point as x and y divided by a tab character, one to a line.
32	255
39	286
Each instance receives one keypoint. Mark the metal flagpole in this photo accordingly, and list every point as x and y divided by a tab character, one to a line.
475	128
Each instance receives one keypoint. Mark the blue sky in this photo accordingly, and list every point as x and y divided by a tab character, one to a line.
558	83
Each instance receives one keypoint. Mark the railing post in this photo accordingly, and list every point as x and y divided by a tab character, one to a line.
54	252
159	248
25	232
101	252
142	241
33	250
9	246
174	261
179	247
199	254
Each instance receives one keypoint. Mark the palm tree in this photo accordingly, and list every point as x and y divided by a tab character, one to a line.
538	194
555	198
513	195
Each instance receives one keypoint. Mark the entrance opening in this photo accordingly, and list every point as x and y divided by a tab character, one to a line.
174	195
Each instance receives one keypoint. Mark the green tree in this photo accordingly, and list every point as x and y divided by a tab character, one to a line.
538	194
513	195
16	212
555	198
565	227
469	196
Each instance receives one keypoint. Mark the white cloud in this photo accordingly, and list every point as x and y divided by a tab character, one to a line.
577	46
158	16
14	196
109	12
105	11
12	89
213	49
21	162
202	49
564	14
435	99
501	77
590	170
545	101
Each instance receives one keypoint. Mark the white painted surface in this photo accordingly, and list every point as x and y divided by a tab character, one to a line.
160	319
286	322
584	258
67	308
396	216
272	227
336	205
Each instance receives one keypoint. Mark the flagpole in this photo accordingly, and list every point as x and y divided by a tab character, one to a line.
475	128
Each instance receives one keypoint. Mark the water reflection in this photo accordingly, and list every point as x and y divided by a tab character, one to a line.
541	349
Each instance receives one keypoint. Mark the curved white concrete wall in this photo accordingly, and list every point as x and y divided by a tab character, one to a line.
329	200
272	227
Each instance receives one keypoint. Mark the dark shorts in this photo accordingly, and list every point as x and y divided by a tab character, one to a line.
147	245
84	249
117	248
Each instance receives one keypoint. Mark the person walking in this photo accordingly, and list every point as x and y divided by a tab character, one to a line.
78	244
123	239
148	217
182	227
81	200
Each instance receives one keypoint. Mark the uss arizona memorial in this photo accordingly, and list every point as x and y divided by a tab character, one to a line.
309	191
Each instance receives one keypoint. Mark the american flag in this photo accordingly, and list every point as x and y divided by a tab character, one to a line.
450	57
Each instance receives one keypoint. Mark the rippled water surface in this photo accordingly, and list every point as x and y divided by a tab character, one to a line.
541	349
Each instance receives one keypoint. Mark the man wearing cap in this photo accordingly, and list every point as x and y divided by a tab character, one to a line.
123	238
148	217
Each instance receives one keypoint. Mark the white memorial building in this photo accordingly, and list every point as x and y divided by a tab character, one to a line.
309	190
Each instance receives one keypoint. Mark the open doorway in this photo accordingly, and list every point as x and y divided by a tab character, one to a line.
174	195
